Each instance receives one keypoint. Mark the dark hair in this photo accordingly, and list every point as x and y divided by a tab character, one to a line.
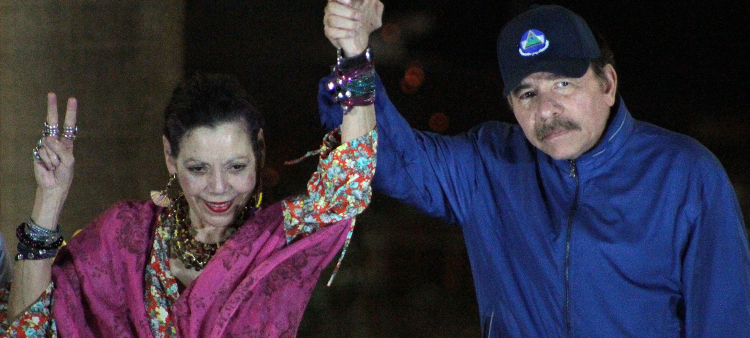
207	100
607	58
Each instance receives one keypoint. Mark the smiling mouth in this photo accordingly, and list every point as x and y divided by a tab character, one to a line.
218	207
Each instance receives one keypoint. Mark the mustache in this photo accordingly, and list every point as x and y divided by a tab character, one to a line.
555	126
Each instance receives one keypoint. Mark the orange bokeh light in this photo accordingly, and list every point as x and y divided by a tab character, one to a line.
439	122
413	79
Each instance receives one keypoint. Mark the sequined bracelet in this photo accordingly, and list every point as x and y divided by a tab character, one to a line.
354	80
36	242
37	237
39	233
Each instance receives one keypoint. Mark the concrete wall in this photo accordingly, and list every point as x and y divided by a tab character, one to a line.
120	59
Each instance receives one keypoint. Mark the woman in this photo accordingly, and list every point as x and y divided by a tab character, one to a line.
207	262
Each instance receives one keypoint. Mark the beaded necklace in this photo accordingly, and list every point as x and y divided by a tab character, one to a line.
181	240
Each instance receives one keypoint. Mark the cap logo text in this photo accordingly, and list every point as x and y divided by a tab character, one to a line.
533	42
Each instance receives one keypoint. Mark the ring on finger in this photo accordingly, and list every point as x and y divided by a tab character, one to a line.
35	152
51	130
70	132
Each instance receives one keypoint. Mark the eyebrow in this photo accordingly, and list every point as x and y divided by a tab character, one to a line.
238	158
547	76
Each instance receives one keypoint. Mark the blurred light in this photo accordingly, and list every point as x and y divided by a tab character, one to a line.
413	79
416	73
406	88
439	122
391	32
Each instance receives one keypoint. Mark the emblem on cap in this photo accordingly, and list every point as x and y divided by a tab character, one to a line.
533	42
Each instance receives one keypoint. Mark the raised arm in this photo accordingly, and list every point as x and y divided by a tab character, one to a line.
424	170
348	24
53	170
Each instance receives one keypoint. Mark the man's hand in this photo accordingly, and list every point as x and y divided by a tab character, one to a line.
348	23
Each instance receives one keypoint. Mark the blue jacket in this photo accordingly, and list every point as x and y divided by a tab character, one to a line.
641	236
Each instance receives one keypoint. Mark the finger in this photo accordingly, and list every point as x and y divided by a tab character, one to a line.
363	4
336	34
60	151
335	43
50	148
335	21
46	161
70	113
336	9
379	7
344	2
373	11
51	109
69	129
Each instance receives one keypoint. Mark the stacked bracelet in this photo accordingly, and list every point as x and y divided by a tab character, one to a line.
354	80
36	242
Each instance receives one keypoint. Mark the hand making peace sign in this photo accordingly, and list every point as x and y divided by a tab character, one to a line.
53	165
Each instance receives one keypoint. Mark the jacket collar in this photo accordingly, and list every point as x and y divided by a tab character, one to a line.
619	128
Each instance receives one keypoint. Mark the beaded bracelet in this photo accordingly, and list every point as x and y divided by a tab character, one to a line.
30	253
34	239
354	80
36	242
38	255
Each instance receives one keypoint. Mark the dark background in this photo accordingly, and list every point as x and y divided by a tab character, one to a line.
681	65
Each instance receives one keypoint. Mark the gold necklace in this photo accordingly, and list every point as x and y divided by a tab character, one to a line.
181	241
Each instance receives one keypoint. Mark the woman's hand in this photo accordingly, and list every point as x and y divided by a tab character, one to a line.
53	165
348	23
54	170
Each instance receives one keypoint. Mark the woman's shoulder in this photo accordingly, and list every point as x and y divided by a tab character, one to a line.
127	222
128	213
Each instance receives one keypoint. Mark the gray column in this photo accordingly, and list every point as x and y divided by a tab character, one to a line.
120	59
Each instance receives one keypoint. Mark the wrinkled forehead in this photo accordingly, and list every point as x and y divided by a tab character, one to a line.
227	132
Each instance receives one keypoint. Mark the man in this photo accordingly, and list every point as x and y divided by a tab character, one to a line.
579	221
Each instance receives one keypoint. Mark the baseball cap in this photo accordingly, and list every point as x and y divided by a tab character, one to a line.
545	39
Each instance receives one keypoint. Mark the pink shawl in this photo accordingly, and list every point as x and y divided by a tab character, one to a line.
255	286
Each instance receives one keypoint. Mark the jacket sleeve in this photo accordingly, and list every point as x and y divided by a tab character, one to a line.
421	169
716	265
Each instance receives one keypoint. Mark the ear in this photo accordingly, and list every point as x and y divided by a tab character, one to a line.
168	158
262	146
610	88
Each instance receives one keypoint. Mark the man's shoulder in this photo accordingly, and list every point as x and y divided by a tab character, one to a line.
497	130
681	148
501	141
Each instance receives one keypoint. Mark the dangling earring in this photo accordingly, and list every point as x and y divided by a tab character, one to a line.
161	198
258	195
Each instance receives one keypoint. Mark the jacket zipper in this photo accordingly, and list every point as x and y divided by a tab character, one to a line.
574	174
